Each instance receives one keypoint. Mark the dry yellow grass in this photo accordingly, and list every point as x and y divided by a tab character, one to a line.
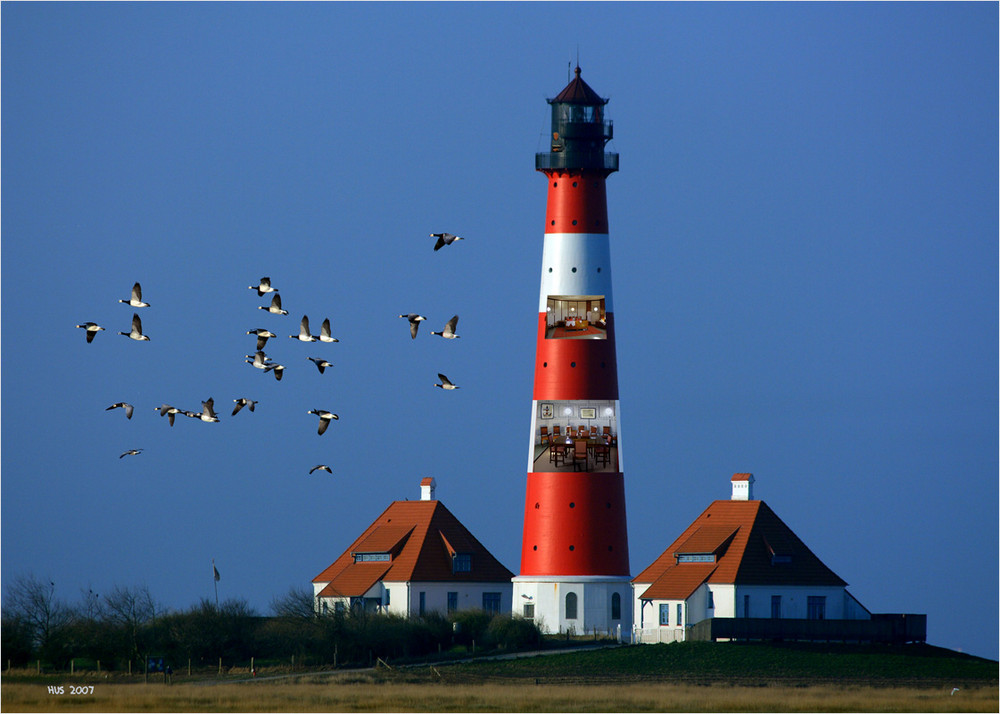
333	694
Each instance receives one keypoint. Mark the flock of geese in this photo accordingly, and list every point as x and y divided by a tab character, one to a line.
260	360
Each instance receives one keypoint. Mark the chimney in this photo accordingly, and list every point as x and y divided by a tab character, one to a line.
742	487
427	489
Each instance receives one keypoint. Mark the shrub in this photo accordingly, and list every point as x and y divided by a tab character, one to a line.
513	633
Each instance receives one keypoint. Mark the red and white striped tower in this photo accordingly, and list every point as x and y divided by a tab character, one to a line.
574	553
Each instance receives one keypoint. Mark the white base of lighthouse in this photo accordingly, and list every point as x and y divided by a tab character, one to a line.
576	605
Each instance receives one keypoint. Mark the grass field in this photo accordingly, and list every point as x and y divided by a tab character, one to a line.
331	695
691	677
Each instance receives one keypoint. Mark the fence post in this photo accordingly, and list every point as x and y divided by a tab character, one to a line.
220	666
72	665
189	666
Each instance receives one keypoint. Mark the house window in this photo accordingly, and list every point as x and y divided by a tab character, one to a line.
679	620
386	601
699	558
529	611
616	606
816	607
461	563
664	614
776	607
452	602
423	603
570	606
491	602
711	600
372	557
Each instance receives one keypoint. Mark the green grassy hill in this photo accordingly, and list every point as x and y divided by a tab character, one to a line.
747	664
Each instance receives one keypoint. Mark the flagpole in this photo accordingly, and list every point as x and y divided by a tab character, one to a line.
215	577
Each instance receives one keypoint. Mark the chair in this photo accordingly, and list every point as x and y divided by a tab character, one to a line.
557	452
593	432
579	452
545	434
555	430
609	437
602	453
581	431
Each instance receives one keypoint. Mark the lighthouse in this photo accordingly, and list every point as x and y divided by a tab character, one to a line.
574	574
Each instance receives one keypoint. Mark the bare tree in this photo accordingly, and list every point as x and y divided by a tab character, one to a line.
297	602
131	609
34	603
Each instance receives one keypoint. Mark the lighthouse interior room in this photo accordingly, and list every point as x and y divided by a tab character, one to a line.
575	436
575	317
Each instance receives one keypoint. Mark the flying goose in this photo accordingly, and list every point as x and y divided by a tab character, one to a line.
136	299
274	307
136	333
414	320
244	402
445	383
321	364
264	287
449	329
168	411
324	332
207	411
304	335
324	418
130	452
444	239
279	369
321	467
92	329
124	405
262	336
258	359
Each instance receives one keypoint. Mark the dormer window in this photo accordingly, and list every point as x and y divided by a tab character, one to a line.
372	557
696	557
461	563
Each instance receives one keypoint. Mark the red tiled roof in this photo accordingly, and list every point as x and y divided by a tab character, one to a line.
707	539
747	560
355	581
680	583
426	481
384	539
741	477
419	534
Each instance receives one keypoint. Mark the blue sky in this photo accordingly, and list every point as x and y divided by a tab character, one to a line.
803	237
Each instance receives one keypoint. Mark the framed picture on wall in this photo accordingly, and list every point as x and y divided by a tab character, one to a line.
546	411
588	413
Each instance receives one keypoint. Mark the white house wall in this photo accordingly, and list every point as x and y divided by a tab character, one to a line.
470	596
729	602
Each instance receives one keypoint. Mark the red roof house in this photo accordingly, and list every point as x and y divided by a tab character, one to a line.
414	558
736	560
